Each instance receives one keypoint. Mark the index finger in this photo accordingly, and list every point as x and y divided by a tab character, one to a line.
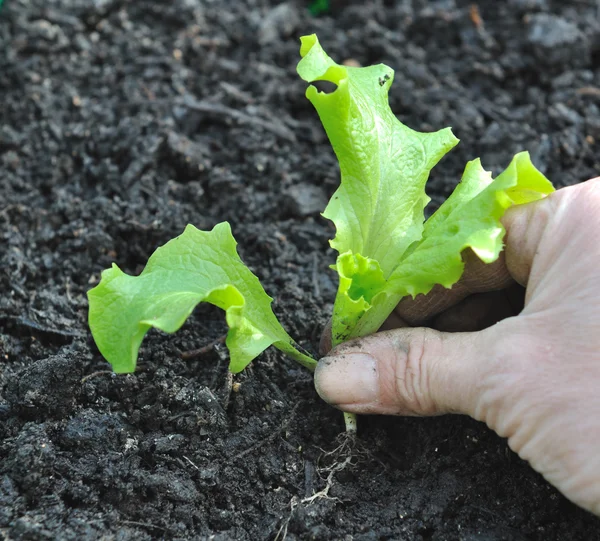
478	277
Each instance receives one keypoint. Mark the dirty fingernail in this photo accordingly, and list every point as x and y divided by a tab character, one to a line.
350	378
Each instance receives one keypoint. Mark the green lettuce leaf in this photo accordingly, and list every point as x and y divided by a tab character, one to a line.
469	218
198	266
378	208
386	251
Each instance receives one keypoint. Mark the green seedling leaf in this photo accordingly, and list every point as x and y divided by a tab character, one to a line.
198	266
386	251
469	218
361	288
378	208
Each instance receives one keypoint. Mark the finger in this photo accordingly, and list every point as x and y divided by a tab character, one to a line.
394	321
405	371
480	311
478	277
525	225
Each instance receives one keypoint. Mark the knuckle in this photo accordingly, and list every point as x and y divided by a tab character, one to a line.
412	373
580	202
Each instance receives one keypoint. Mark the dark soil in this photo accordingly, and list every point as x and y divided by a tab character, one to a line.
121	122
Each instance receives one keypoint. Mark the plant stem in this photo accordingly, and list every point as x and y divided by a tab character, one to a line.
351	423
350	419
301	358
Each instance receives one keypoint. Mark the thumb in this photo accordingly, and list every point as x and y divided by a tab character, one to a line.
415	371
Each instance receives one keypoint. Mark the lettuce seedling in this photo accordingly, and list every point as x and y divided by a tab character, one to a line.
386	249
198	266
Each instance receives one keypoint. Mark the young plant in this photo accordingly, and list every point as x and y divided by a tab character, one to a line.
386	248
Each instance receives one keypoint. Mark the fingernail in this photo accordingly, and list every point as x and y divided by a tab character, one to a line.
350	378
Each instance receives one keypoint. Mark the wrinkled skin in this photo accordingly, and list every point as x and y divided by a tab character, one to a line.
534	377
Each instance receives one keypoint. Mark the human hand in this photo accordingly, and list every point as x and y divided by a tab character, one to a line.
534	378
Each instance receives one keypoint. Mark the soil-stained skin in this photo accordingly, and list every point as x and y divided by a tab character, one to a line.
105	154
